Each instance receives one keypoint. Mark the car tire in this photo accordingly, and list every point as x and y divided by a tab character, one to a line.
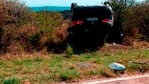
116	35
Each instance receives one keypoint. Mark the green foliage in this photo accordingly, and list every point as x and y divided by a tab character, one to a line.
138	66
46	21
11	81
56	68
69	51
34	40
69	74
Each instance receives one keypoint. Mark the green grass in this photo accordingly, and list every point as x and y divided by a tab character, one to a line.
11	81
56	67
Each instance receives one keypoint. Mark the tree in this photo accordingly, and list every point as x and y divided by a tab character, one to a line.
147	1
122	2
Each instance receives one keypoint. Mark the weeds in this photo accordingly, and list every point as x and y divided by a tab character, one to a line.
69	51
69	74
11	81
56	67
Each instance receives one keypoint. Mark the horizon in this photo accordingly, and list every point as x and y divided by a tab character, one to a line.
66	3
47	6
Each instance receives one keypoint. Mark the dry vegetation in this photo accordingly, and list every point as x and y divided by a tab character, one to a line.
25	31
22	30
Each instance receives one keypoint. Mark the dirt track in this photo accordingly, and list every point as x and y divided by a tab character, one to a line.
137	79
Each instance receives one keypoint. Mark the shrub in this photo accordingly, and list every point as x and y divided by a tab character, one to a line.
69	75
24	30
69	51
11	81
14	16
132	17
51	30
136	21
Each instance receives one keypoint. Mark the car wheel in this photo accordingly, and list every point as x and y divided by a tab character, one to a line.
116	35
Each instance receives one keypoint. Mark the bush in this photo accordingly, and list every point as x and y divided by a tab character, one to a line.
136	21
51	30
69	75
132	17
11	81
24	30
13	16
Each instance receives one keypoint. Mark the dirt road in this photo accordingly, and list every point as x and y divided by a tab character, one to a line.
138	79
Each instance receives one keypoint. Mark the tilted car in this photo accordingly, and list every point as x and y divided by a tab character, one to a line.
90	25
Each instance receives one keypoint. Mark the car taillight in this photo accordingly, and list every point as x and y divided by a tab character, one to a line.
109	21
77	22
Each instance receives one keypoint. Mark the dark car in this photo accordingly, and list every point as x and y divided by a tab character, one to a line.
90	25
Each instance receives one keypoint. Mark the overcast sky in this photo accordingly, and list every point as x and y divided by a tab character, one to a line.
61	2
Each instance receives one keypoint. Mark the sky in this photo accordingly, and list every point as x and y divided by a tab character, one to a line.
61	2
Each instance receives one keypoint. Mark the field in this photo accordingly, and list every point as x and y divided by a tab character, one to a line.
40	68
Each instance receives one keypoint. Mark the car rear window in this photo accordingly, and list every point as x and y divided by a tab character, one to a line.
93	11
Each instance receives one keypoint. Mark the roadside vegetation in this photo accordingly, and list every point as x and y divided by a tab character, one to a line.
30	43
132	17
25	31
55	68
22	30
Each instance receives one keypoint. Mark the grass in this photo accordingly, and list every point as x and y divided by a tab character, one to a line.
42	69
